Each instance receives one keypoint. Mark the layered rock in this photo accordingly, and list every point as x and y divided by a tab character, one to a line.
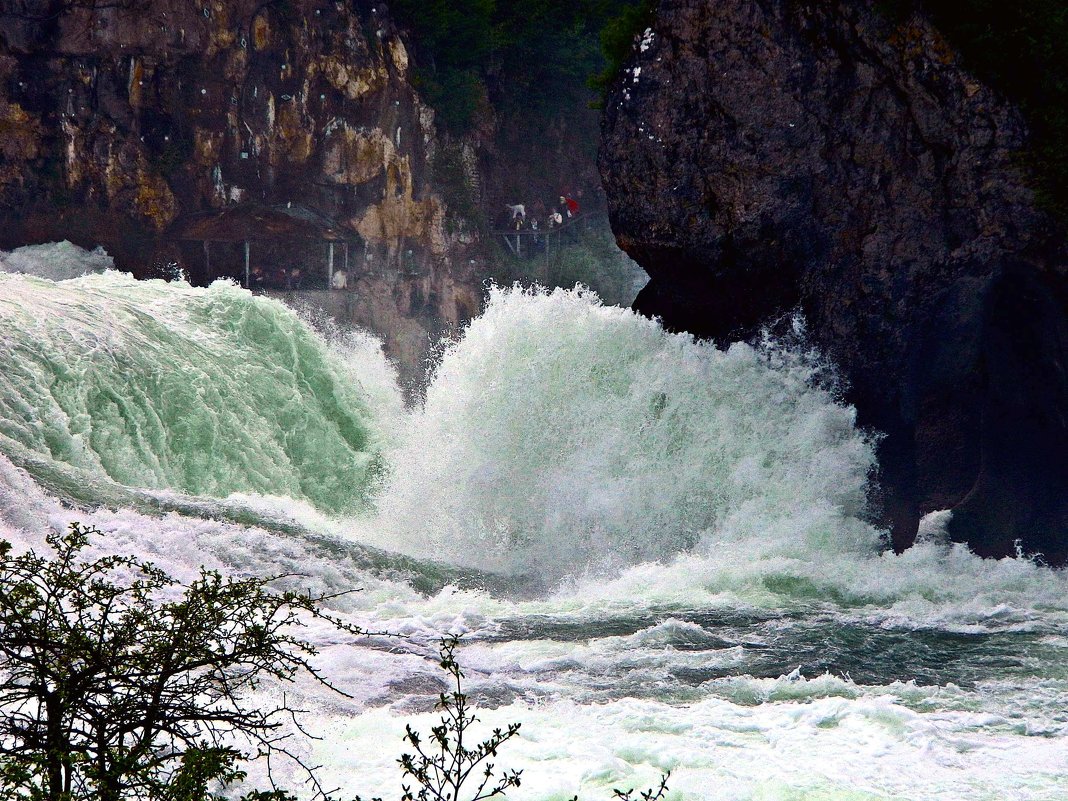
118	119
765	155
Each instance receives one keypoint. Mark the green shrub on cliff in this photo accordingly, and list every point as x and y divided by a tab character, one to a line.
617	40
454	40
534	54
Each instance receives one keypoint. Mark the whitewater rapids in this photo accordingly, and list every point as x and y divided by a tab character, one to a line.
658	552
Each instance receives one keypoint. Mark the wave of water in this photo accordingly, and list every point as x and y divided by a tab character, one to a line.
56	261
689	581
575	446
584	445
162	386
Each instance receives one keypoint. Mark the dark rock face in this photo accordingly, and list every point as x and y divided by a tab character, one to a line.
117	119
764	155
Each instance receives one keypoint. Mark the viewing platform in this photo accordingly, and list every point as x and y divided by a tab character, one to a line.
528	242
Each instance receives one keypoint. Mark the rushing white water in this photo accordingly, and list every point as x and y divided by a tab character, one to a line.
57	261
158	385
573	435
680	575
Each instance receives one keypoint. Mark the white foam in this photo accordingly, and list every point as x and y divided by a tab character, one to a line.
56	261
561	436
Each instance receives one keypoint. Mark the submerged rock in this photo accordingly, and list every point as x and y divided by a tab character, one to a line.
764	155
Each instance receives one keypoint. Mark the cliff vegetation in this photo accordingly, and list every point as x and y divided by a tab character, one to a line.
539	54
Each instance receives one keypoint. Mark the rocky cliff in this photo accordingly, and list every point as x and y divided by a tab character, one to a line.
767	155
120	120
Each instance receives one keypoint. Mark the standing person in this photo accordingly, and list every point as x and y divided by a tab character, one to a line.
295	278
572	206
258	279
518	224
340	280
279	278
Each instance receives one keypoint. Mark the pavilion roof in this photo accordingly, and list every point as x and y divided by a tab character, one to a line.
255	222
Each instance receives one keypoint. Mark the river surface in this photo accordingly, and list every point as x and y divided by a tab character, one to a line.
657	553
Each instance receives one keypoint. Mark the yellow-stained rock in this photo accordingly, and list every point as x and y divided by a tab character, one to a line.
354	82
19	133
398	53
236	64
137	74
206	147
153	199
354	157
294	137
398	216
261	31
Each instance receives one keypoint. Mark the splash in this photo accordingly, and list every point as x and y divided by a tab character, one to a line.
560	435
712	600
56	261
571	445
583	447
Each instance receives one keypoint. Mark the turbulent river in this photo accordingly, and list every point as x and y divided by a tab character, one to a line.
657	552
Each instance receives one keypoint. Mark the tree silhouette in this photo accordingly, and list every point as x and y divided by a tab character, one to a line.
117	682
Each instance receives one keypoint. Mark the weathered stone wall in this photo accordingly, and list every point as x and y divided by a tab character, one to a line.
117	119
763	155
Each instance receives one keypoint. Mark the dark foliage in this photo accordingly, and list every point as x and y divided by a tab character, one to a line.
618	37
1021	49
117	683
455	41
537	54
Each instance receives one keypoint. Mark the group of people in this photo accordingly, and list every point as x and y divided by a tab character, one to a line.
278	278
565	209
291	278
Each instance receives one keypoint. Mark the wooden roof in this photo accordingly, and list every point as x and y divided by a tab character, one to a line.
254	222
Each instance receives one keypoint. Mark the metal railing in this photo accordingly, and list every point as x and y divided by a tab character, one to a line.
526	241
